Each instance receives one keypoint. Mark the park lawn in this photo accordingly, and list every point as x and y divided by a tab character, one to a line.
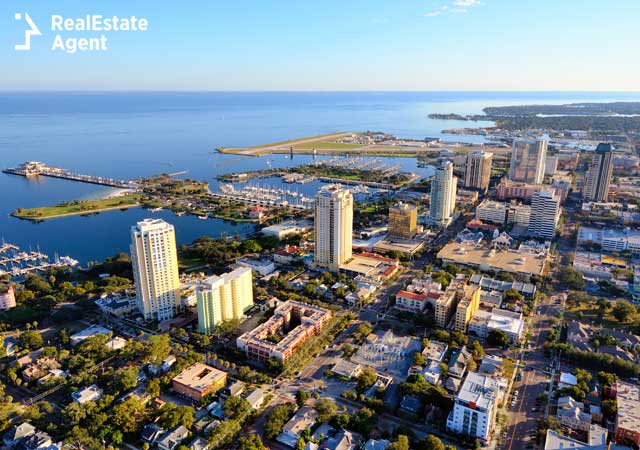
590	315
79	207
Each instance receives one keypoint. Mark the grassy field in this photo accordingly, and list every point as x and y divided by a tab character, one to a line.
78	207
588	313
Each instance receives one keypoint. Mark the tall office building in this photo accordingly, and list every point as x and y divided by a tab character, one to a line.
223	298
545	213
528	161
333	227
155	268
403	221
477	173
443	194
598	177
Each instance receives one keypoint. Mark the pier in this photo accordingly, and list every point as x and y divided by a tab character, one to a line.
35	168
18	263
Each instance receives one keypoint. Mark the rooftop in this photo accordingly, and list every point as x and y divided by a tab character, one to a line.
628	398
497	260
480	391
199	376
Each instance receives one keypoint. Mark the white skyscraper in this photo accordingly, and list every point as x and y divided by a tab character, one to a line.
528	161
333	227
443	194
223	298
545	213
598	177
155	268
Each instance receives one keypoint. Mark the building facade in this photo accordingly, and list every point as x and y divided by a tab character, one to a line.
223	298
490	211
528	159
333	227
155	268
598	177
467	307
475	406
545	214
403	221
7	297
443	194
477	173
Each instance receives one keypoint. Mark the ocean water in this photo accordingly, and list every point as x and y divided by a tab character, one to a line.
134	134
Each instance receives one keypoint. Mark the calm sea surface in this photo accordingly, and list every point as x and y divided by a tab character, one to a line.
129	135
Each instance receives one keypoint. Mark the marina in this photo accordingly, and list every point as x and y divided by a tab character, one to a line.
16	262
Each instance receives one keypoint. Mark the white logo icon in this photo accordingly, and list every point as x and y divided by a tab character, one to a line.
32	31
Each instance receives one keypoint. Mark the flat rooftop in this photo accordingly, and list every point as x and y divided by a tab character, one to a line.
480	390
628	398
497	260
199	376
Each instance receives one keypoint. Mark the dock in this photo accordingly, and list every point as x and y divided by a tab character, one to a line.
35	169
15	263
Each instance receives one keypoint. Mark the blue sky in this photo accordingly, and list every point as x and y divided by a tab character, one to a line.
335	45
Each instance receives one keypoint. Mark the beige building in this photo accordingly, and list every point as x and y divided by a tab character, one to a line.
198	381
477	173
528	158
467	306
223	298
155	268
403	221
443	194
333	227
447	302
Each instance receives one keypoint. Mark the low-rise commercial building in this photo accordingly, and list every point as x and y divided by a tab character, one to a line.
611	240
411	301
483	322
491	260
198	381
492	211
261	266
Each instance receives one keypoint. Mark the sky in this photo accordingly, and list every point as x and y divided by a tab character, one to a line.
509	45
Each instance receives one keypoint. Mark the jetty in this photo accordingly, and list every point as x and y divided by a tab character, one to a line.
15	263
36	168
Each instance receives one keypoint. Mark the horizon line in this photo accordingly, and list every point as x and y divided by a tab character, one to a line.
240	91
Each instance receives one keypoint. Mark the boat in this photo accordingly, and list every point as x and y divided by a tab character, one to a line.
156	209
203	217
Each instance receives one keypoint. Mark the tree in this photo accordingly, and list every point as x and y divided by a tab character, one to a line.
366	379
301	398
125	379
153	387
251	442
401	443
364	421
623	310
512	295
498	338
363	330
609	408
432	442
606	378
340	421
277	418
236	408
419	360
326	408
571	278
171	416
128	416
31	340
159	347
477	350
